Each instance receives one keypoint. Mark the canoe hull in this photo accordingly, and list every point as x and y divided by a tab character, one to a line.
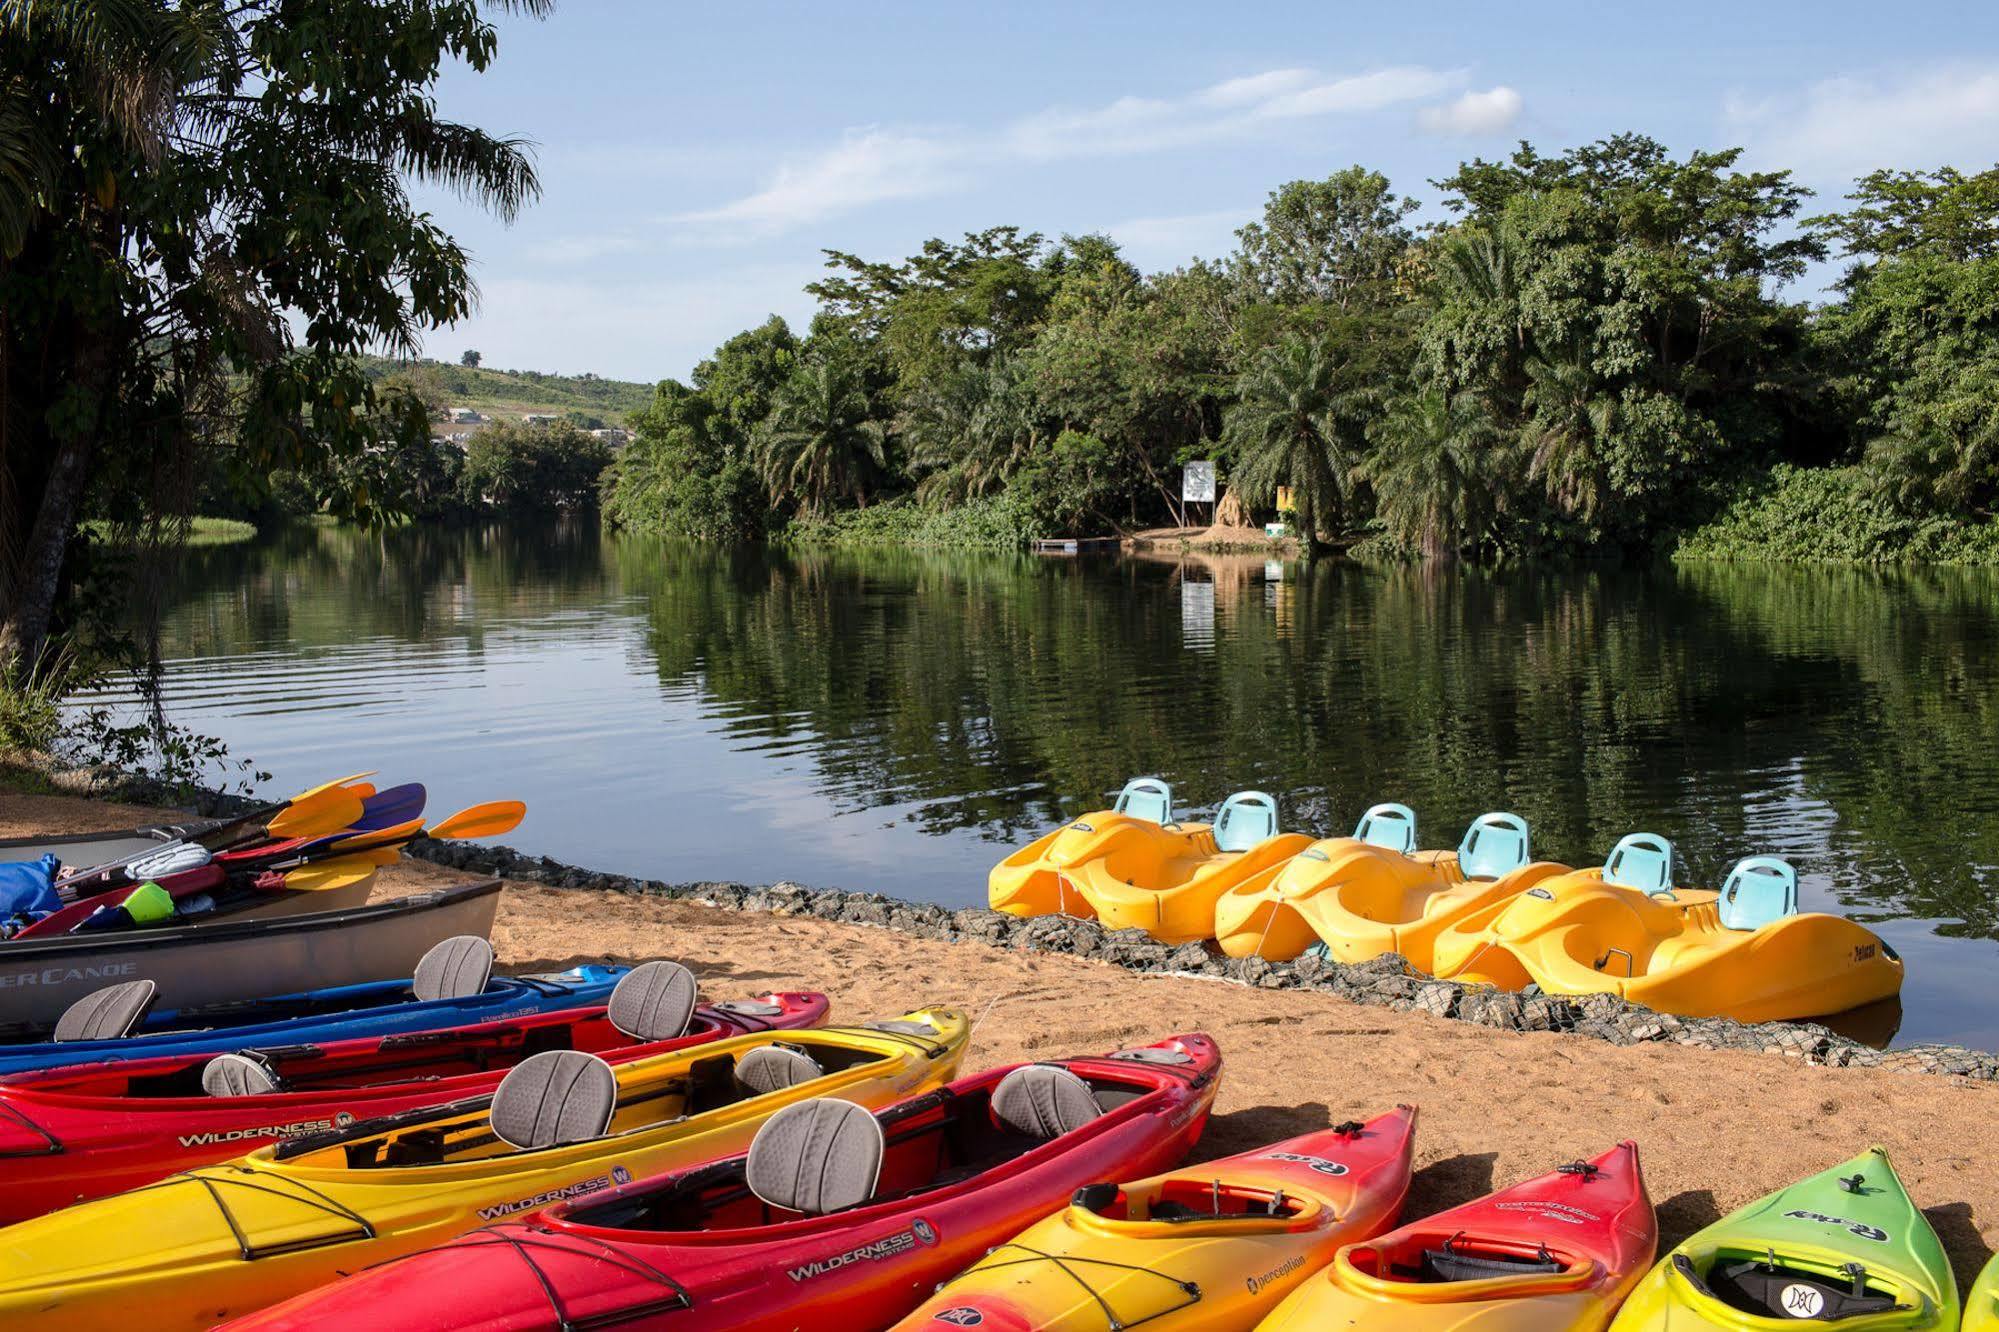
232	959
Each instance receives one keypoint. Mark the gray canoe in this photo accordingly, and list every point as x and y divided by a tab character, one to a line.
236	958
101	848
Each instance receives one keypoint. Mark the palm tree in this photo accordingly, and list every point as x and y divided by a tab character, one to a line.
969	430
1293	425
1436	472
819	445
1571	415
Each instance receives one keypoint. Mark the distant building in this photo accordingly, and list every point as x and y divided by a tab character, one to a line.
466	416
612	436
539	418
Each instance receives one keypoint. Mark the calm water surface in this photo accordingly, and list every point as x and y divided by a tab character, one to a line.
891	720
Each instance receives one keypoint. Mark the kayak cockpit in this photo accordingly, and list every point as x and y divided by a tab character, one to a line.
1460	1266
1796	1286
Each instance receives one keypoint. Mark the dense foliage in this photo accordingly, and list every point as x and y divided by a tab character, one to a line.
1591	352
205	219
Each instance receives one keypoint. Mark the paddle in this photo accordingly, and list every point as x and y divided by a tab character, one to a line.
316	815
398	804
490	819
327	875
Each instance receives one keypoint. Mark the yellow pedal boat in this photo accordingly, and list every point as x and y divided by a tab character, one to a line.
1210	1248
1374	893
215	1243
1134	865
1744	952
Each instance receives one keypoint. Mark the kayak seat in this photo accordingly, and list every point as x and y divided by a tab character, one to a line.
1448	1264
1759	891
1391	826
1146	798
770	1068
107	1014
816	1157
172	858
1044	1101
238	1075
653	1002
1643	861
553	1098
1494	846
1770	1290
1245	818
458	968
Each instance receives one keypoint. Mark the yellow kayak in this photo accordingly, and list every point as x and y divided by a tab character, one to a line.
1365	898
1212	1247
1744	953
219	1242
1134	865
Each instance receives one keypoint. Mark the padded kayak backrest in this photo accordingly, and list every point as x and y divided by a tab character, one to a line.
770	1068
1759	890
1044	1101
173	858
653	1002
555	1097
1643	861
106	1014
1494	846
1392	826
816	1157
1146	798
1245	818
238	1075
458	968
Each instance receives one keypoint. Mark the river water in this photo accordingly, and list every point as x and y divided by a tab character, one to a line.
892	720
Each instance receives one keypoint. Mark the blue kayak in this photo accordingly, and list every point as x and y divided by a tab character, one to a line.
381	1008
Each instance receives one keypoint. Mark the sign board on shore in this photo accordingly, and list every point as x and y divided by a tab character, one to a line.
1197	483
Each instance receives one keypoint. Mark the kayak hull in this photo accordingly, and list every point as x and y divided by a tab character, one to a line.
1981	1302
231	960
1595	1227
1132	874
1360	900
1575	933
1154	1254
1857	1212
88	1131
854	1271
223	1241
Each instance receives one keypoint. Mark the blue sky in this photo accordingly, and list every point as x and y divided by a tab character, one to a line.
696	158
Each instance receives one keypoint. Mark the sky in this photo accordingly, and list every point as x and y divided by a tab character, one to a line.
695	159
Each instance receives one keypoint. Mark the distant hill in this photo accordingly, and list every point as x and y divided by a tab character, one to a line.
514	392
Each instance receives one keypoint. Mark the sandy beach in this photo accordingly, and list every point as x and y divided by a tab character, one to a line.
1715	1128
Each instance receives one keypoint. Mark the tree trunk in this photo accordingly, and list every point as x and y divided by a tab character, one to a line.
24	629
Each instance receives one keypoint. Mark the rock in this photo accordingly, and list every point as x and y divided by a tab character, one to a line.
1439	998
991	927
1189	957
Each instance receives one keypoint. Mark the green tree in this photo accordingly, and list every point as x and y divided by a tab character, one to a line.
470	359
1438	471
968	431
204	218
543	468
820	444
1340	241
1292	426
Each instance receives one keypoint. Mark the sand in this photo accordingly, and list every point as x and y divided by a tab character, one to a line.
1715	1128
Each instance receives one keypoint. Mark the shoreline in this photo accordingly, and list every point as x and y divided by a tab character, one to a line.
1716	1127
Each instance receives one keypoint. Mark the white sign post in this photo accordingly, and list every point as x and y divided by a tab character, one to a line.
1197	486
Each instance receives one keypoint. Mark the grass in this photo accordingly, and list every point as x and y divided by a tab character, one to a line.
1831	515
201	531
511	393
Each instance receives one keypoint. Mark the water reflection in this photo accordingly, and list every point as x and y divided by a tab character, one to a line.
886	719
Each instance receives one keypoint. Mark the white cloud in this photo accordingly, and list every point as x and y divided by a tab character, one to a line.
1167	242
1473	112
1842	128
875	165
866	166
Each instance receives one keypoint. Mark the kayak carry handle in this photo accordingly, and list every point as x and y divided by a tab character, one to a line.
1589	1170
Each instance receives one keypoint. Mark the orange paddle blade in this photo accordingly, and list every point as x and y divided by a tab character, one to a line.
401	832
488	820
328	786
331	874
317	815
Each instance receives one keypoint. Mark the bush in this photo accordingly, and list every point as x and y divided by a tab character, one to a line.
1832	515
998	522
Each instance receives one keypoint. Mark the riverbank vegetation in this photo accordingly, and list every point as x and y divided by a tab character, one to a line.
1592	352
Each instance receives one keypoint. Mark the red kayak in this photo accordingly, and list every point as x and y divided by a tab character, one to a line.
1553	1254
835	1219
87	1130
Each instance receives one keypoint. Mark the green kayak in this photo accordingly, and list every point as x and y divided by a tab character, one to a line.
1846	1247
1981	1302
